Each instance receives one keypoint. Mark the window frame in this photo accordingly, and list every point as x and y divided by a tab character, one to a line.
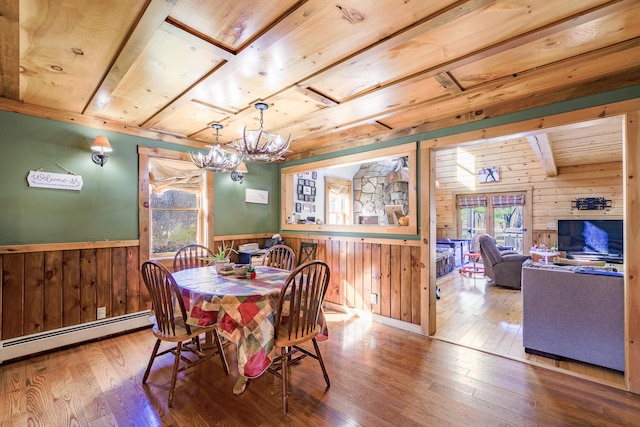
288	174
144	192
347	215
199	220
527	211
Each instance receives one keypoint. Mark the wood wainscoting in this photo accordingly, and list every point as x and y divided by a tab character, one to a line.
51	286
46	287
360	267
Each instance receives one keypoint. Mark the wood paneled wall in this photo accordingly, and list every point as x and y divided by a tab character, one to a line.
456	172
359	267
46	287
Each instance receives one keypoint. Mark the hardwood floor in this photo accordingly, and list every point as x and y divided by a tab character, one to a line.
476	314
380	376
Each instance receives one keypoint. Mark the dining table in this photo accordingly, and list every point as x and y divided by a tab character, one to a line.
244	309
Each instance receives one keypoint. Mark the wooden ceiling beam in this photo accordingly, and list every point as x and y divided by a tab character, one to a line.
94	122
150	20
541	146
629	78
10	45
482	97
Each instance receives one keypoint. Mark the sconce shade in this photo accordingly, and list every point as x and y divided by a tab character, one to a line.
242	168
238	174
101	144
99	147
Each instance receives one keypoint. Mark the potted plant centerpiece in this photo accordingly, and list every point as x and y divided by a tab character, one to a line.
221	258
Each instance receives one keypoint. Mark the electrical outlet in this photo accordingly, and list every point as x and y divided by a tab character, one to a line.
374	298
102	313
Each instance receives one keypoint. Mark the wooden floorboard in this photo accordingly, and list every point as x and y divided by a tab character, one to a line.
474	313
380	375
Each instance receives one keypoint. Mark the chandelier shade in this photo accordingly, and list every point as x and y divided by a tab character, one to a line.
218	159
261	146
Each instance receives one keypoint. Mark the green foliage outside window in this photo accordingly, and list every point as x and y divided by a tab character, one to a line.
174	221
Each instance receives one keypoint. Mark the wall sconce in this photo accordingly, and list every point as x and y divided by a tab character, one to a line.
100	147
239	172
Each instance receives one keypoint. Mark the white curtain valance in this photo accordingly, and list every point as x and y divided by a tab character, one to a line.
167	175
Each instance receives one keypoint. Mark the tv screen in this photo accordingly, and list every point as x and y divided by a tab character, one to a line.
601	236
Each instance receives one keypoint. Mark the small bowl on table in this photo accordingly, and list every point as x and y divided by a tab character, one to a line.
240	270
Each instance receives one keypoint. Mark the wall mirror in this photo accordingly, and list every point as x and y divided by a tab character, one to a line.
371	192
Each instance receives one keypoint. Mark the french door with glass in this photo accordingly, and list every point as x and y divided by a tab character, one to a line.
502	215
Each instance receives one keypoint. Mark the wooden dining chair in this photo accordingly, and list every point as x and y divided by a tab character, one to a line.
169	317
280	256
297	320
307	252
191	256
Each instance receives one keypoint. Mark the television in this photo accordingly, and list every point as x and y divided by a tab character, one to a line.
598	237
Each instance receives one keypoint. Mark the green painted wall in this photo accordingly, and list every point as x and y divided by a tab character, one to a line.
234	216
107	206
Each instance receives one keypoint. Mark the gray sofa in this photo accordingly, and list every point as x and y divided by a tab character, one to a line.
572	315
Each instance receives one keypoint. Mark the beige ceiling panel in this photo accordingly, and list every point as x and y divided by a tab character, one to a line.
599	143
443	39
305	42
170	62
331	142
590	36
190	118
64	52
284	109
230	24
510	89
365	109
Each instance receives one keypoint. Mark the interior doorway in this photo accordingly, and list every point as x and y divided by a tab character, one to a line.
549	193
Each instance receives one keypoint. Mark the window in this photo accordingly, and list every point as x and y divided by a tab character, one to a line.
174	220
338	193
359	206
175	206
499	214
472	214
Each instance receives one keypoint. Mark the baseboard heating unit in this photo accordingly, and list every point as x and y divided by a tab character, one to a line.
44	341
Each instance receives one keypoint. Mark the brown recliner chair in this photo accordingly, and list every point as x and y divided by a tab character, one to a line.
503	268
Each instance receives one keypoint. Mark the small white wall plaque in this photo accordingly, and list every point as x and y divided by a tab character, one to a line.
256	196
57	181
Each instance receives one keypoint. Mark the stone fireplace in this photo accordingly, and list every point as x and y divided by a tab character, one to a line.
372	190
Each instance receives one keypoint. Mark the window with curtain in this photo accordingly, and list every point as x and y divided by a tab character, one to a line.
472	215
499	214
175	202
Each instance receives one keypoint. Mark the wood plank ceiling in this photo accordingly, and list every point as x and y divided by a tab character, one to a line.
335	75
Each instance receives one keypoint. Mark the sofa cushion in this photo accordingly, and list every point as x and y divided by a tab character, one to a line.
567	267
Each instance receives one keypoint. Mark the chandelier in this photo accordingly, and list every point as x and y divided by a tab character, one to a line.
262	146
218	159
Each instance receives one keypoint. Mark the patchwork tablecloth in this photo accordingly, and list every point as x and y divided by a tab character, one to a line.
244	309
